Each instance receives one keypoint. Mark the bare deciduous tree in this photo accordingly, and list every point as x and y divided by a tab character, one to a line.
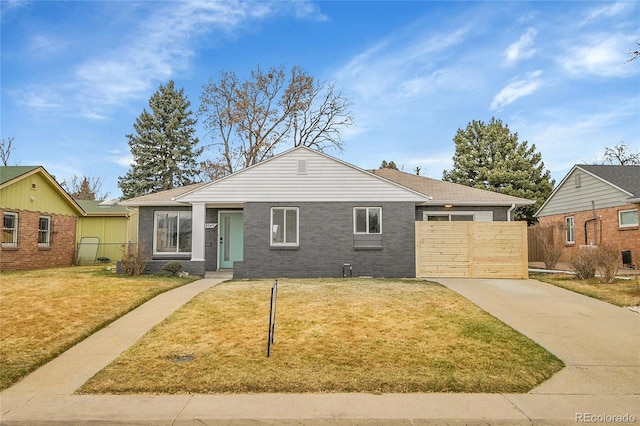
84	188
621	154
635	54
250	120
5	150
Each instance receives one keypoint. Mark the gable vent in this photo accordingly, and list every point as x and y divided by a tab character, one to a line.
302	167
577	180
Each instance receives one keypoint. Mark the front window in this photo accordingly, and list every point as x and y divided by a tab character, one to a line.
44	231
173	232
10	230
367	220
284	226
570	230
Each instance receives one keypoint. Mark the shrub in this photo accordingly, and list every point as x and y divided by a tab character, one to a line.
134	259
608	261
172	267
584	262
551	234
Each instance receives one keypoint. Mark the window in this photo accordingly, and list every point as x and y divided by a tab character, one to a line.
10	230
458	216
284	226
628	218
449	218
44	231
367	220
172	232
570	228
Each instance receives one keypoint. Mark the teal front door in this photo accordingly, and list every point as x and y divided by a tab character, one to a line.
230	232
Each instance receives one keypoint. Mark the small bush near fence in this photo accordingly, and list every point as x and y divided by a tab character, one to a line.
134	259
551	247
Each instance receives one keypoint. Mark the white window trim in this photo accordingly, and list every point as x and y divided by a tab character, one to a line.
573	230
155	233
13	243
48	232
367	224
633	225
285	244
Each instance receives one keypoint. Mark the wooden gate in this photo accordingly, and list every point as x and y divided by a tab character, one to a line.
471	249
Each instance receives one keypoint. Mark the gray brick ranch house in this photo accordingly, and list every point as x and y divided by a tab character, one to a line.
305	214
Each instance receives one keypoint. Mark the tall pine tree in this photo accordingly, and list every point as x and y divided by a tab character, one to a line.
489	156
164	148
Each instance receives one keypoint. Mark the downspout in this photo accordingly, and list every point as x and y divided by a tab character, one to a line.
585	229
511	209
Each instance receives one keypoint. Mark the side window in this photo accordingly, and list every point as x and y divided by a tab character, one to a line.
284	226
367	220
628	218
44	231
570	230
10	230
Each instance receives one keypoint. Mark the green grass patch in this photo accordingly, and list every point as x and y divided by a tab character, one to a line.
45	312
332	335
620	292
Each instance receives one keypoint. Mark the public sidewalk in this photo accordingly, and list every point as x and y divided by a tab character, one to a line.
599	343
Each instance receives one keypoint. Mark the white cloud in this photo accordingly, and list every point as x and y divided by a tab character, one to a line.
41	45
607	11
516	89
150	54
124	160
603	55
521	49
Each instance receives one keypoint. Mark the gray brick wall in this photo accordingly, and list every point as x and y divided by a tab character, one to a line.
327	242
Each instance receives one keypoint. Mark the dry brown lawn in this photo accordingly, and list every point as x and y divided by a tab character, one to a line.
332	335
620	292
44	312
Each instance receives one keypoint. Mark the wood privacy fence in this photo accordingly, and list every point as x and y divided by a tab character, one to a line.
471	249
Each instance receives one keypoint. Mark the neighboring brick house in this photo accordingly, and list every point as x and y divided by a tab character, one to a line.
597	204
39	220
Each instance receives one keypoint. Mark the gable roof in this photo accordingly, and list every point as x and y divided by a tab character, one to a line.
161	198
301	174
622	180
450	193
100	208
625	177
11	174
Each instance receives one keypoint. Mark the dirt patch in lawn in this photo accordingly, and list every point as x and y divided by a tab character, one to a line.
45	312
344	335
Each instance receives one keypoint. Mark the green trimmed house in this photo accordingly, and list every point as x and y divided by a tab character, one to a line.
39	220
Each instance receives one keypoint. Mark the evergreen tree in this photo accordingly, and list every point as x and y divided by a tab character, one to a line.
489	156
164	148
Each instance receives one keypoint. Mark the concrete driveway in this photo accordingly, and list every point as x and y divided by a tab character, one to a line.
599	343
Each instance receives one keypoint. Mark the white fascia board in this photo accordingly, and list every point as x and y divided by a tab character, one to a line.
151	203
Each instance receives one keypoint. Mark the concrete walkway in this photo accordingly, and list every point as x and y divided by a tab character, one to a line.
600	344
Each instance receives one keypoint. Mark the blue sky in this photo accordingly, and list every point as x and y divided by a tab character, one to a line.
75	75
